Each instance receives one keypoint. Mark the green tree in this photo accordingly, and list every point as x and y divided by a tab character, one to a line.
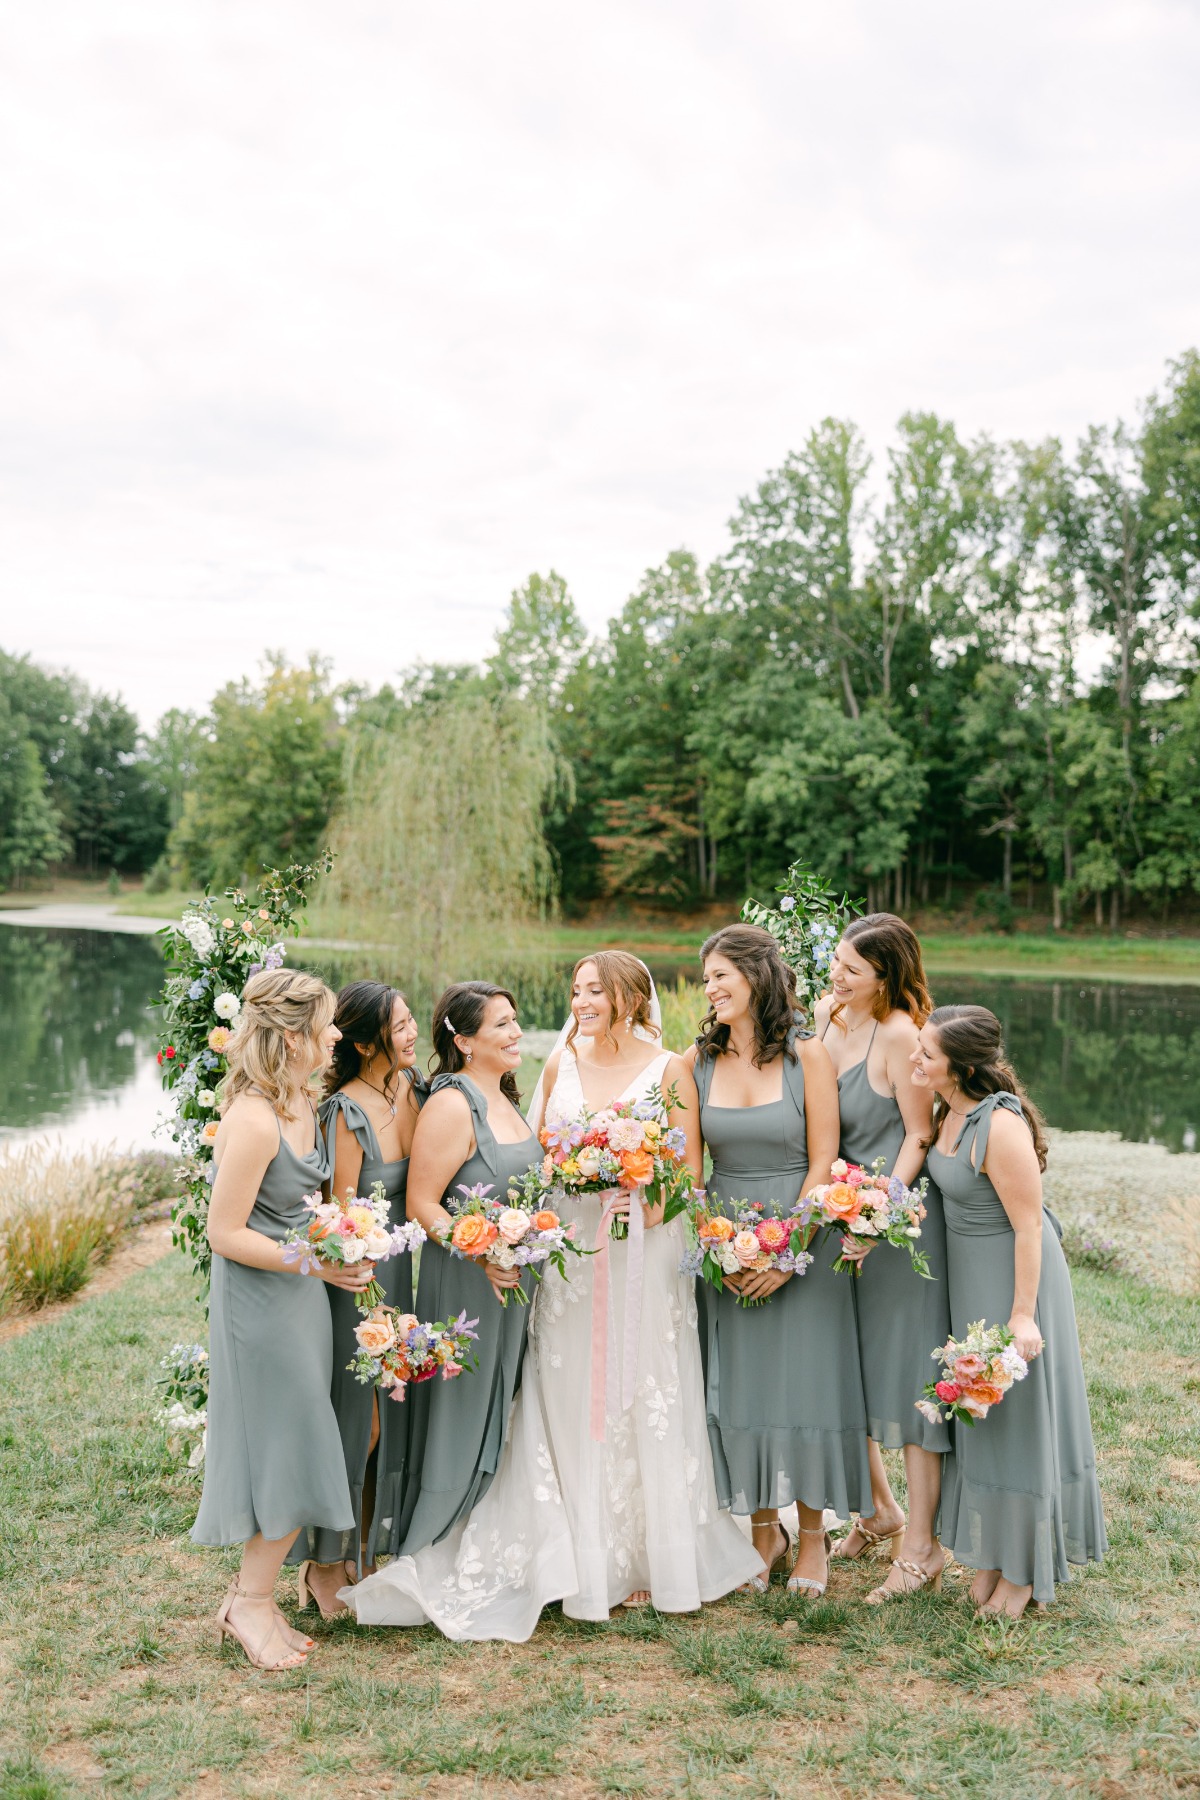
268	774
540	642
31	836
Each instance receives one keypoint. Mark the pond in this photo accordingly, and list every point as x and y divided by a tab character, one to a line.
80	1041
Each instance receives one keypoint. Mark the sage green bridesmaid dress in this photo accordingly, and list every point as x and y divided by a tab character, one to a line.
353	1400
787	1420
901	1316
1019	1493
273	1461
457	1428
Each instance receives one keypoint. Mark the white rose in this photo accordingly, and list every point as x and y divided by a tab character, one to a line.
227	1006
206	1097
378	1243
353	1250
590	1162
504	1256
727	1256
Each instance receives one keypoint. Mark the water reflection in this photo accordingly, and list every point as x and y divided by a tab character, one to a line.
78	1055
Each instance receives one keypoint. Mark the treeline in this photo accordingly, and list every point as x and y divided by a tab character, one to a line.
976	666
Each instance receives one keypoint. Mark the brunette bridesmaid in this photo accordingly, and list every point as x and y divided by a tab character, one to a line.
1021	1500
471	1130
786	1416
274	1457
869	1025
375	1093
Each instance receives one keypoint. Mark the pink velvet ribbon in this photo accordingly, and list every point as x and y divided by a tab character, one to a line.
604	1349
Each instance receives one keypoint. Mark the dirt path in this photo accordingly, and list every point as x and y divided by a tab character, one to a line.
144	1245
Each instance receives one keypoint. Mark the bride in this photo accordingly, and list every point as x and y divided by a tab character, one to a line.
605	1493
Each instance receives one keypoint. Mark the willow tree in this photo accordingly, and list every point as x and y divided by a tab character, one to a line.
441	858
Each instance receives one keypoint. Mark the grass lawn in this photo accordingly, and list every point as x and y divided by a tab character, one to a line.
114	1684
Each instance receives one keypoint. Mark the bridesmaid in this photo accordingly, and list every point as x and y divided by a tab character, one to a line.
470	1130
374	1097
869	1025
274	1458
786	1416
1021	1498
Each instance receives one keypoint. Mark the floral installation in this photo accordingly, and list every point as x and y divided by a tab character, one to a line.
746	1241
351	1231
395	1348
210	955
806	923
870	1208
977	1372
185	1393
512	1235
631	1146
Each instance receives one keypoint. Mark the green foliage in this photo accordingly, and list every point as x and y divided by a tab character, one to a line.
267	776
210	955
806	924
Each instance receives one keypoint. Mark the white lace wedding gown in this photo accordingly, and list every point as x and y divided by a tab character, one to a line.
567	1518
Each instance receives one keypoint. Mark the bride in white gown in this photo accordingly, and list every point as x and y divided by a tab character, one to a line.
605	1493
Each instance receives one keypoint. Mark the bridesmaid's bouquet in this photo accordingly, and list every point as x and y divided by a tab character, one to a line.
395	1348
869	1209
351	1231
746	1243
519	1235
632	1145
976	1375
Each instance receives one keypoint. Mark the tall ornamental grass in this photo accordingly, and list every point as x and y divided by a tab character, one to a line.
62	1214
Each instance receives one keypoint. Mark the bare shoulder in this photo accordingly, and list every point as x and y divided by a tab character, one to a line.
443	1110
688	1058
898	1032
822	1011
1010	1142
550	1072
679	1067
814	1057
250	1120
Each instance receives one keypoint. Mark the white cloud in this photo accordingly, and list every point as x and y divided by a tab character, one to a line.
322	328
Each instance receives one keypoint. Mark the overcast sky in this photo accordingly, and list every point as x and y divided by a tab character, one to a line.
321	326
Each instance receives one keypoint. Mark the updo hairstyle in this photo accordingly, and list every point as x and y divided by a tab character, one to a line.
626	982
893	950
275	1002
970	1039
460	1013
773	1005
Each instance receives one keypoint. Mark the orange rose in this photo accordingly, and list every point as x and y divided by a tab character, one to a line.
718	1228
375	1336
546	1221
842	1202
473	1234
637	1168
985	1393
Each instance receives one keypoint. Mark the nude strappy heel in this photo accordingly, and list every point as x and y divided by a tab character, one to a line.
873	1543
804	1584
920	1578
307	1596
291	1659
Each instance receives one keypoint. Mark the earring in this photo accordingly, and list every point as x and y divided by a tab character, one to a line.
467	1055
629	1022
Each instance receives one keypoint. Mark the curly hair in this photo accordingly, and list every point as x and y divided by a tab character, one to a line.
460	1013
893	950
274	1003
626	981
971	1041
773	1008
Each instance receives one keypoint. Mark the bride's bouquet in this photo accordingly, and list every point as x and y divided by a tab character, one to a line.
518	1235
395	1348
750	1241
632	1145
351	1231
869	1209
976	1374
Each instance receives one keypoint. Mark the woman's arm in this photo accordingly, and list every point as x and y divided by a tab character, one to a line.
915	1103
1012	1167
248	1140
822	1119
442	1142
347	1160
683	1116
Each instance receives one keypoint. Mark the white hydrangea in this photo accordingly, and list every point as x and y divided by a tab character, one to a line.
199	934
227	1006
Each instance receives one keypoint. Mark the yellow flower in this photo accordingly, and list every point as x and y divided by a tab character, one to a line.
569	1170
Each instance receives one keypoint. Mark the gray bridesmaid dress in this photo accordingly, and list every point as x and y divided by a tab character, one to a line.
274	1456
353	1400
901	1316
787	1420
1020	1492
457	1428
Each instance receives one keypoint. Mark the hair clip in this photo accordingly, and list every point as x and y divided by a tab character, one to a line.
451	1027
